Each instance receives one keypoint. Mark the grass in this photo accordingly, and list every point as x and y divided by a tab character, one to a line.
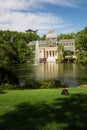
43	109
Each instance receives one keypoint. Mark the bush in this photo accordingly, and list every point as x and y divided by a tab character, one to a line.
8	78
9	86
37	84
31	84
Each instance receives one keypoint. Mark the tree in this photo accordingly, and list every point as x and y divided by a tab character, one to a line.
43	37
81	45
67	36
4	58
82	57
67	54
13	46
60	53
7	76
81	41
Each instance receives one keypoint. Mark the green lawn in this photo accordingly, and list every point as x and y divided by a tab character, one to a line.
43	109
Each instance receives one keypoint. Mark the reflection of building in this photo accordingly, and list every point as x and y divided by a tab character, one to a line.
48	49
47	71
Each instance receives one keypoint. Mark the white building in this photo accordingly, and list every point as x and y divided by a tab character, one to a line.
48	49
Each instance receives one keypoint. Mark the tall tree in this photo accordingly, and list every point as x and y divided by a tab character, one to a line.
67	36
81	45
60	53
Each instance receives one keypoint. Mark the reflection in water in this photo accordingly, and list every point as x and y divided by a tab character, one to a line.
69	73
47	71
54	70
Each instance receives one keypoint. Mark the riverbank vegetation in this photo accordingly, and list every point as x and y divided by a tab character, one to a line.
10	83
43	109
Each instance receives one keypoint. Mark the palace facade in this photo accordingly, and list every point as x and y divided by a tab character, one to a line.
48	49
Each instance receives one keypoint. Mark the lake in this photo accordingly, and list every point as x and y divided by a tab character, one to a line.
71	73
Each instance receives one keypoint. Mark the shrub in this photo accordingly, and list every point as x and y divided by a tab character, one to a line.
31	84
8	78
10	86
37	84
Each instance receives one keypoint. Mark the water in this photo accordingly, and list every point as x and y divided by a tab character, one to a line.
70	73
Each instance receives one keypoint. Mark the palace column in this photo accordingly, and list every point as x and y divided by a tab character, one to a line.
53	53
44	53
47	53
50	53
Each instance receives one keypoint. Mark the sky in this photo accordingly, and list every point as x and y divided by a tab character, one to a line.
63	16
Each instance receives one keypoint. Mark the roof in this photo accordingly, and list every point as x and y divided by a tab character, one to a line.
40	43
51	34
67	41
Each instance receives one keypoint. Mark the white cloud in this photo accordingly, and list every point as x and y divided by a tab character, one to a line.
29	4
12	4
67	3
21	21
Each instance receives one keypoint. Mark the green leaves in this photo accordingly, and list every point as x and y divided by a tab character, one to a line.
82	57
67	36
82	39
13	47
60	53
81	44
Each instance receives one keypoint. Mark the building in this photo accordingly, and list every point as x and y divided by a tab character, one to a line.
48	49
69	44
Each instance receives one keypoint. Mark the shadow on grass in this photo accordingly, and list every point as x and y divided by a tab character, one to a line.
69	113
2	92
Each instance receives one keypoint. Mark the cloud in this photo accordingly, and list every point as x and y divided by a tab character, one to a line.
30	4
22	21
12	16
67	3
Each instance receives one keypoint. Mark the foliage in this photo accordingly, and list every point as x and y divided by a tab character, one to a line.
13	47
68	53
4	58
7	78
43	37
9	86
81	41
82	57
37	84
60	53
81	46
67	36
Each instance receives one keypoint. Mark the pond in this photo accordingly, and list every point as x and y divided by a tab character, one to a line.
71	73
